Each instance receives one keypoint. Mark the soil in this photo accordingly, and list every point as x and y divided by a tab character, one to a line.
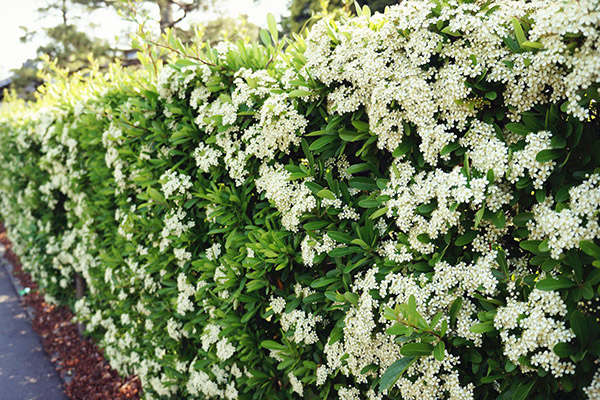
80	363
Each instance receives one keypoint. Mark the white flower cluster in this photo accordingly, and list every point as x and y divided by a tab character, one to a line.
173	182
206	157
213	252
292	199
297	386
186	290
535	334
303	324
277	304
364	342
434	380
486	151
182	256
311	247
374	62
593	390
408	191
175	329
210	336
526	160
564	229
174	225
224	349
280	126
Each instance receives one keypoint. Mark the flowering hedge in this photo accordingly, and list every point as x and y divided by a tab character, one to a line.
402	206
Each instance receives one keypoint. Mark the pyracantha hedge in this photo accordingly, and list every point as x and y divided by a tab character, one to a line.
402	205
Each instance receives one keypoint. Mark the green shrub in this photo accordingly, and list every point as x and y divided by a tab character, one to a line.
396	206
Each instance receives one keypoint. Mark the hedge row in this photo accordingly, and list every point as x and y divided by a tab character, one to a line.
404	205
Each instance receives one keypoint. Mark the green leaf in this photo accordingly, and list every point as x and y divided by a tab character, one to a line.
530	245
580	327
519	129
351	136
455	308
482	327
532	45
562	194
379	213
264	37
426	208
564	349
369	368
509	366
326	194
438	351
549	284
315	225
356	168
491	378
321	142
335	335
342	251
523	390
256	284
491	95
394	372
156	196
272	24
396	329
299	93
272	345
543	247
590	248
449	148
423	238
548	155
361	126
467	238
352	298
314	187
403	148
322	282
360	243
363	183
499	219
340	237
521	219
518	31
369	203
416	349
479	216
558	142
450	32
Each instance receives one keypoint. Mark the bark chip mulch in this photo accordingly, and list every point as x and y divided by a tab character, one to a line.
80	363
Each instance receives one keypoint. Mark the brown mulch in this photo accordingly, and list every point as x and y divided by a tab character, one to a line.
80	363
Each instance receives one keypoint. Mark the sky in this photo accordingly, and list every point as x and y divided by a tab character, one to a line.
106	24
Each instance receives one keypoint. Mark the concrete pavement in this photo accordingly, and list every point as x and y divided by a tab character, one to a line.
25	371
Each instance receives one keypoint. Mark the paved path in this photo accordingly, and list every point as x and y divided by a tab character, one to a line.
25	371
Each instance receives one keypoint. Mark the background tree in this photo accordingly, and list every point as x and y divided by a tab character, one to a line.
171	12
66	43
226	28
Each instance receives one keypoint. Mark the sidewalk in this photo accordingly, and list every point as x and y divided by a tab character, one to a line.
25	371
